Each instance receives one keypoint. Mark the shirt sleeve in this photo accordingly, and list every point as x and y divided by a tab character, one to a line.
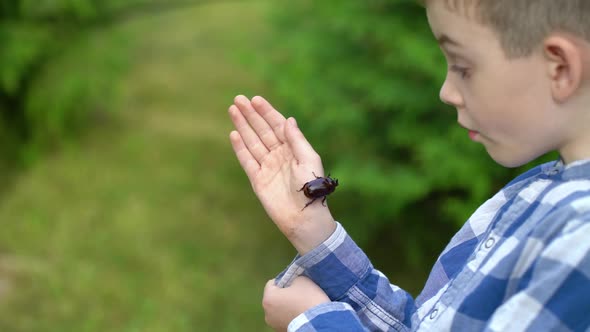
554	291
334	316
347	276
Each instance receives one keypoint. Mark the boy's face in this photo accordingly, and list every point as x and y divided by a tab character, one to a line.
505	104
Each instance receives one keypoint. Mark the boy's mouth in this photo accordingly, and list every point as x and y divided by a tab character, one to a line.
472	133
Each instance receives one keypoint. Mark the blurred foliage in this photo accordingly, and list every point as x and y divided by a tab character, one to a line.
52	78
146	223
362	79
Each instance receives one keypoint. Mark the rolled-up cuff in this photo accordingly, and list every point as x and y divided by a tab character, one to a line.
300	263
336	265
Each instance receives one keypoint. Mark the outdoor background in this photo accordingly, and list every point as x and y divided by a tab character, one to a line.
122	207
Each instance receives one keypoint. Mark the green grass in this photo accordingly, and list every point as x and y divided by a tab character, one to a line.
148	223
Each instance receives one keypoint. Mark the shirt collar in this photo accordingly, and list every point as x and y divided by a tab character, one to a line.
579	169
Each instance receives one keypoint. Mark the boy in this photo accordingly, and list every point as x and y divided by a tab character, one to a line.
519	77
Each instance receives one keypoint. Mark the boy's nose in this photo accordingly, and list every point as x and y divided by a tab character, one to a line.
449	94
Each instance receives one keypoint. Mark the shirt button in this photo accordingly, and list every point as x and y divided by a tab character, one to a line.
433	313
490	243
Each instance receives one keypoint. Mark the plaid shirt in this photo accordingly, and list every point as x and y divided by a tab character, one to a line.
520	263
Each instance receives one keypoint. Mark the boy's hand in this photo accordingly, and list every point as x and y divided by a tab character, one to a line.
278	160
282	305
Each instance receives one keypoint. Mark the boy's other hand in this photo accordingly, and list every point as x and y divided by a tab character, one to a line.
282	305
278	161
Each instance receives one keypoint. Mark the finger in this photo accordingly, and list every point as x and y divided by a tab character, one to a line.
274	119
246	159
257	122
302	150
266	294
269	284
250	138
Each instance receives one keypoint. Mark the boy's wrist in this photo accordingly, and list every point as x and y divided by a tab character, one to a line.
312	231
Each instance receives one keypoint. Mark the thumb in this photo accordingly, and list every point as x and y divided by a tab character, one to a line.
302	150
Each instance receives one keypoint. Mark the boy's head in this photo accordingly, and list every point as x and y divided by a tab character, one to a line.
521	25
518	74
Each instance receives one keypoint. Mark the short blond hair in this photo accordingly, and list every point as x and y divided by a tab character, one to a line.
521	25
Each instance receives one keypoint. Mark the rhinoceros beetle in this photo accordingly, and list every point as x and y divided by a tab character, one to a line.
320	187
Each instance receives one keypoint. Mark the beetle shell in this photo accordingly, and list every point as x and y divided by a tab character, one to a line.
320	187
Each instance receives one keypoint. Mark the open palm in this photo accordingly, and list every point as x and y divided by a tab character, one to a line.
278	160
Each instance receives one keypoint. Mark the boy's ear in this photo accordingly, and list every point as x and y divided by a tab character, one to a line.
564	65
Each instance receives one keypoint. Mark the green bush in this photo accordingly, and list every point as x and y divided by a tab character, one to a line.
362	78
51	76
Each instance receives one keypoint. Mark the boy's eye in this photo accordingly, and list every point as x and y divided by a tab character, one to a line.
462	71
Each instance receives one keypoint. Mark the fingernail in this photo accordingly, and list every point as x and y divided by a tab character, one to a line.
293	122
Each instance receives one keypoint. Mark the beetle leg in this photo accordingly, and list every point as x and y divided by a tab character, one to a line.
301	188
324	200
313	200
317	177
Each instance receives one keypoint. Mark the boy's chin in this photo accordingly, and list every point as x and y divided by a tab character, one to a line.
511	161
509	164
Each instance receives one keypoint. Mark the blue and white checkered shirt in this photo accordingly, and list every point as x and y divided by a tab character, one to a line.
520	263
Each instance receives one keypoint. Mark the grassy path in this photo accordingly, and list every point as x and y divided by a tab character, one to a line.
149	225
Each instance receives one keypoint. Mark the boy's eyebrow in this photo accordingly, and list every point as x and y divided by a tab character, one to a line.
444	39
